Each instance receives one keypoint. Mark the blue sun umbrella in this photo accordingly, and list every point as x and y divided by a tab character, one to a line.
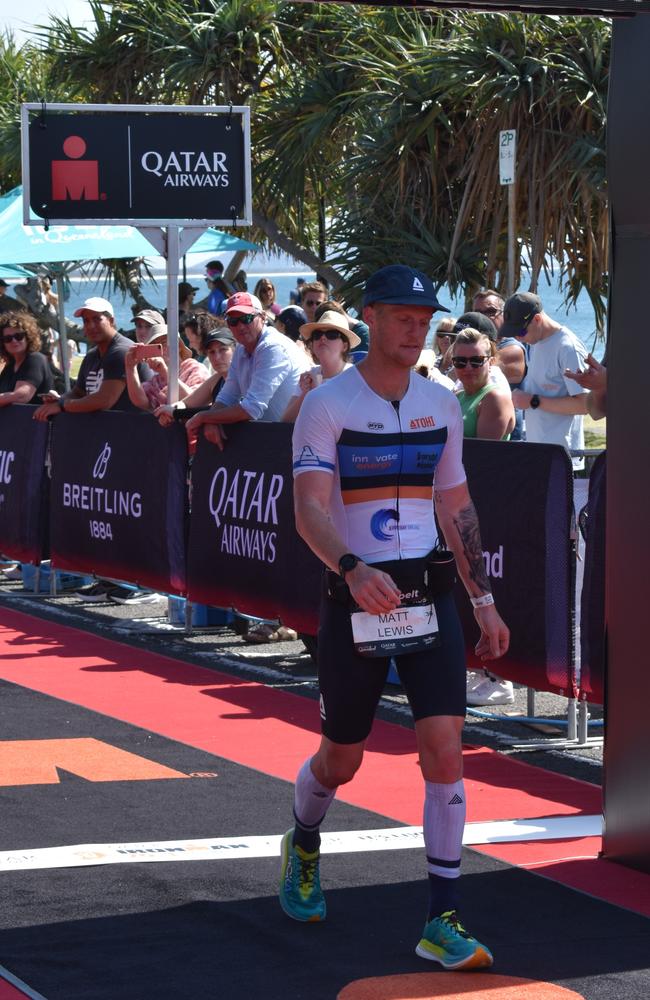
21	244
60	245
14	273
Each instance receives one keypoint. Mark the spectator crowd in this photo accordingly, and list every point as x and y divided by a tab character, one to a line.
518	373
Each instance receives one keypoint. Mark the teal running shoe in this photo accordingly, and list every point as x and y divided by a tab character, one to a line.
301	896
445	940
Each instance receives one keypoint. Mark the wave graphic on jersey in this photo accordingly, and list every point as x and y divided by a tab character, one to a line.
380	521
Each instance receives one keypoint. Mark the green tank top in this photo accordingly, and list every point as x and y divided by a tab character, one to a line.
469	408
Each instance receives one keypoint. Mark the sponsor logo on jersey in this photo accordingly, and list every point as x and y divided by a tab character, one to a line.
383	523
374	425
308	459
418	422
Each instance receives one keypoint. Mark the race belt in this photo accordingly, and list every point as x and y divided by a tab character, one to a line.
406	629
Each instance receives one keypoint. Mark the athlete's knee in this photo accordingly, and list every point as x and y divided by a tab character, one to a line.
440	750
336	764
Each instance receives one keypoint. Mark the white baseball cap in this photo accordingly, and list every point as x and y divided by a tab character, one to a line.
95	305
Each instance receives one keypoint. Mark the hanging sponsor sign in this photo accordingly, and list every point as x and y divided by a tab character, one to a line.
113	164
523	494
118	498
23	484
244	551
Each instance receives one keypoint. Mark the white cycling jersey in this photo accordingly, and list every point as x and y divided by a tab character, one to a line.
384	456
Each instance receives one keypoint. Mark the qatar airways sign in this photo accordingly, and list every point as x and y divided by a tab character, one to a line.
114	164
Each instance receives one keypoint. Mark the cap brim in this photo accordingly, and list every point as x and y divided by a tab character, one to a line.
414	300
512	330
85	309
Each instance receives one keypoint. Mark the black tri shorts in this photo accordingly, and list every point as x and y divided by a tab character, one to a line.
351	685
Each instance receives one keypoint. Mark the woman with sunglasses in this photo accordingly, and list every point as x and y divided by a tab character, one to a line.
26	375
487	411
329	341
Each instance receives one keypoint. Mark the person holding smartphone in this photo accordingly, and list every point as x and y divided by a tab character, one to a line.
153	393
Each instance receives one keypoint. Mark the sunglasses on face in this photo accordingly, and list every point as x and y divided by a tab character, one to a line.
8	337
476	362
447	336
489	311
313	302
328	334
246	320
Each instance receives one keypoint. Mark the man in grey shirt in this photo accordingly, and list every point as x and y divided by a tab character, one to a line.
263	375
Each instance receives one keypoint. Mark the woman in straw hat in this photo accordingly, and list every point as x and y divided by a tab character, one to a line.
329	341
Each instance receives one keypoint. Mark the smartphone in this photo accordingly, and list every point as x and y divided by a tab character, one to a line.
149	350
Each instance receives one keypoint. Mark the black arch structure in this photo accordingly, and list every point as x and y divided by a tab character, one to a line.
627	748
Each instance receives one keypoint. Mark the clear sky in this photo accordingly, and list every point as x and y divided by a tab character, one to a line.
20	17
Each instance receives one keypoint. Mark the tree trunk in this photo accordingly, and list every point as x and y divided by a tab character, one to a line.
235	265
295	250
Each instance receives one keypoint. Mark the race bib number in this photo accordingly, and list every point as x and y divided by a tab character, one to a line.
404	630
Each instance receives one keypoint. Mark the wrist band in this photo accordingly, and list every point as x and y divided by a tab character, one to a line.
483	601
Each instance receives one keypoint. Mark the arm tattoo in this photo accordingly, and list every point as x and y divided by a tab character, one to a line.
466	524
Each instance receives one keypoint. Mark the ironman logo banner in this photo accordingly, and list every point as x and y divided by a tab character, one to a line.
106	163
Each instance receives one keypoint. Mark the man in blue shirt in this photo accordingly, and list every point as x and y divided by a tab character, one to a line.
263	375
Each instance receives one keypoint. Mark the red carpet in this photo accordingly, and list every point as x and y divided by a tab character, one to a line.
214	711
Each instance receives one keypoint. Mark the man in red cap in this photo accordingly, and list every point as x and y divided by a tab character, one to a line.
263	375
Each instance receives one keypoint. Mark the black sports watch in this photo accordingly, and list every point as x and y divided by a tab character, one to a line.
347	562
534	401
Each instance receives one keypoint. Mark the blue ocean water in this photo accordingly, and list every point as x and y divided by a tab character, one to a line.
284	273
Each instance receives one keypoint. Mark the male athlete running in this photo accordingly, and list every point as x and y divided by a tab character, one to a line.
372	447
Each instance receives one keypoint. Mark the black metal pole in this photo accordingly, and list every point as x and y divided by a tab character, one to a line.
627	745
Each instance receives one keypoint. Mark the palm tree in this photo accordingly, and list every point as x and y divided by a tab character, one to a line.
375	131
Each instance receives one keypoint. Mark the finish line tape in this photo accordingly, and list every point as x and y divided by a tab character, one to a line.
351	841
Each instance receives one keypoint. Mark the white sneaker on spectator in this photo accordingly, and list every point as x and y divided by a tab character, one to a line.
474	678
491	691
123	595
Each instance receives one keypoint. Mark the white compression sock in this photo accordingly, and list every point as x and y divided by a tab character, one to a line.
444	822
312	800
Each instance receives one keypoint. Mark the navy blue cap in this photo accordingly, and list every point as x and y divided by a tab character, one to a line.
400	285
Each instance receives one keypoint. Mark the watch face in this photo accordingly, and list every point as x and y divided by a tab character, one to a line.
347	562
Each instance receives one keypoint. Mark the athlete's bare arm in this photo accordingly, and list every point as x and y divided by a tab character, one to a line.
459	523
373	590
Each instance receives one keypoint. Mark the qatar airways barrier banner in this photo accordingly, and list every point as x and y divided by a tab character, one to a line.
524	497
118	498
23	485
118	509
244	551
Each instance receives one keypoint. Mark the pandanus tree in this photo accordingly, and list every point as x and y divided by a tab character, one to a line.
375	130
